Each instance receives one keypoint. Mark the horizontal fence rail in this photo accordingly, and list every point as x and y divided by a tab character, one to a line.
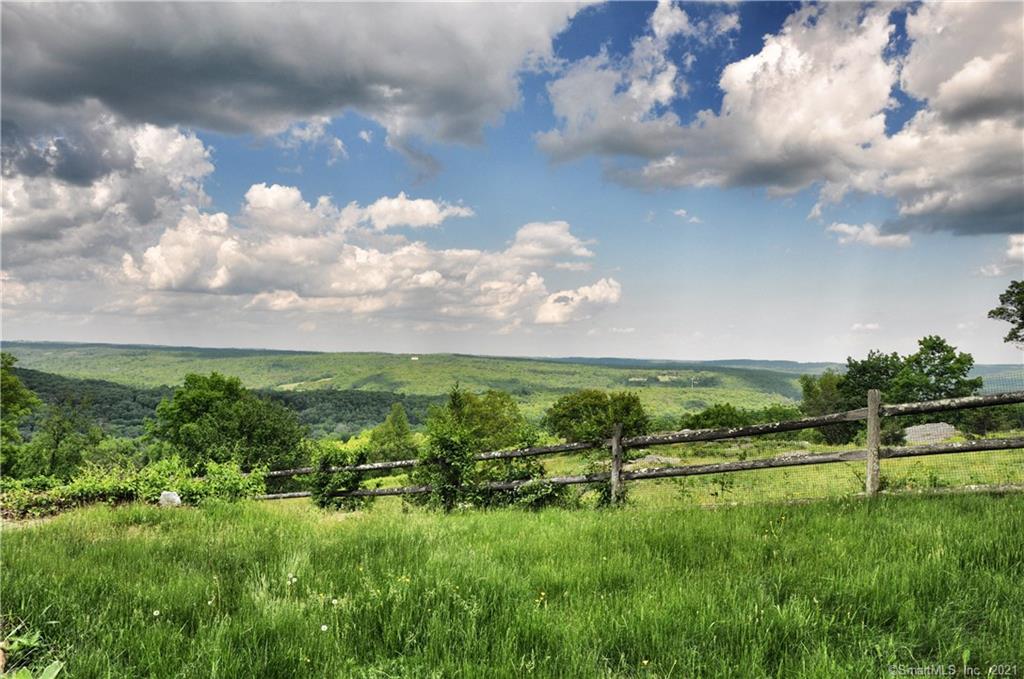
617	444
481	457
961	403
794	459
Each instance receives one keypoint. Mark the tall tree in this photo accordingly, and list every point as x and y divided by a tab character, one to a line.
392	439
213	417
876	371
822	396
1011	310
590	414
62	441
936	370
16	401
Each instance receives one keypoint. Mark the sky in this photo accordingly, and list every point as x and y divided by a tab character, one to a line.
687	181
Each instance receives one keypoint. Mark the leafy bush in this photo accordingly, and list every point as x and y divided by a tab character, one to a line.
447	464
539	494
590	414
214	418
469	424
727	416
35	483
510	469
326	483
118	484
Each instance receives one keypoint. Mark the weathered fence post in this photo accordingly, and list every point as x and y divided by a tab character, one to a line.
871	480
616	477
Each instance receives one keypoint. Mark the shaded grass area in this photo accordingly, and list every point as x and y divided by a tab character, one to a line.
837	588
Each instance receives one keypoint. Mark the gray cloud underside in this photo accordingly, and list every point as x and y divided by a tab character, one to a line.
257	67
420	70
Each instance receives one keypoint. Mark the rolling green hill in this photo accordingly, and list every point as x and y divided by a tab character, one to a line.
122	409
667	388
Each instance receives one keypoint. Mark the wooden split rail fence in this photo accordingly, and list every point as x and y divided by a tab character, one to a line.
617	444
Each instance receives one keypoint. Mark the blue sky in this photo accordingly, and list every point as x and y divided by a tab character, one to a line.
764	180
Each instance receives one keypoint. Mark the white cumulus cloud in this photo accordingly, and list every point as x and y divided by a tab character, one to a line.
1012	261
292	255
868	234
568	305
385	213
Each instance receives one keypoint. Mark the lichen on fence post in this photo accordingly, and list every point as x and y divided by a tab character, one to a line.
617	489
871	476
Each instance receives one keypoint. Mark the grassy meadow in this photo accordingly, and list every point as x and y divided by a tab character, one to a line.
838	480
831	589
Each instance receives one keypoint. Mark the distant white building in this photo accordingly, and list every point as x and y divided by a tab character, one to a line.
414	358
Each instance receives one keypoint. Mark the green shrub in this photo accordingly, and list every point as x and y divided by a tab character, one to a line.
215	418
35	483
728	416
540	494
590	414
168	474
327	483
117	484
466	425
447	464
509	469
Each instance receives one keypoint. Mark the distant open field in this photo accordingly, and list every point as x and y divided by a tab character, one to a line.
831	589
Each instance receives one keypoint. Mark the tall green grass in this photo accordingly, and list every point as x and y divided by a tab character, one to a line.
842	588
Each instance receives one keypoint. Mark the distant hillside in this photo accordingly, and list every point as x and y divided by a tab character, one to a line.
122	409
667	388
782	366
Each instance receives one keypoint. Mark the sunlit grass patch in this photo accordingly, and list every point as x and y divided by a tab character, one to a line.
837	588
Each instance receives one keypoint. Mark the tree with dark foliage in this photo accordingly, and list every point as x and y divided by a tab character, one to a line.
1011	310
214	418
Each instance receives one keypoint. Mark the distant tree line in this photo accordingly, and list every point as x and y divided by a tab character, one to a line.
122	410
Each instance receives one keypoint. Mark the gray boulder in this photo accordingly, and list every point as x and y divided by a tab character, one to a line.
935	432
169	499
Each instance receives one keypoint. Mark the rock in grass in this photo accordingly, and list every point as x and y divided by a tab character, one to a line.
169	499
